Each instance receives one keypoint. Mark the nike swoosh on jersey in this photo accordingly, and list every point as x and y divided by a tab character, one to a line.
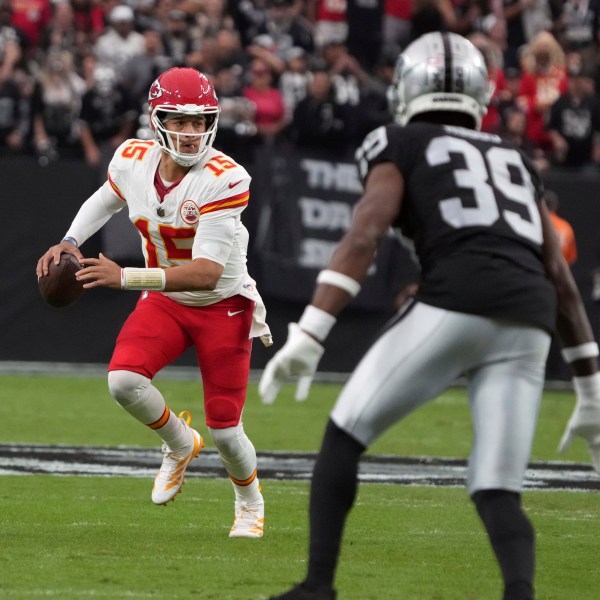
235	312
232	185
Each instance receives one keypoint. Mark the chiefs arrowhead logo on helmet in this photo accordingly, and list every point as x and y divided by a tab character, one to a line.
155	91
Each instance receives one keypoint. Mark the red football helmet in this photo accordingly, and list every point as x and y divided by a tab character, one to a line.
183	91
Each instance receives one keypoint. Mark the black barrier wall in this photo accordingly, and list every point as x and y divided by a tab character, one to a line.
301	203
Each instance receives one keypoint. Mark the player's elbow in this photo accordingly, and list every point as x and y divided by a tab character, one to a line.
363	242
203	281
363	247
207	273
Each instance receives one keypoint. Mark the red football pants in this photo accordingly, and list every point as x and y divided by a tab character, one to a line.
159	330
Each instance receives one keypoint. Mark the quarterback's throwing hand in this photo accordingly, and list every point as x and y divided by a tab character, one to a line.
585	423
298	358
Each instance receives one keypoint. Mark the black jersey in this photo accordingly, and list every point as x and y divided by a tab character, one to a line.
470	208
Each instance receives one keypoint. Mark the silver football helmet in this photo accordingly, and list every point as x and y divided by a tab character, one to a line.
440	71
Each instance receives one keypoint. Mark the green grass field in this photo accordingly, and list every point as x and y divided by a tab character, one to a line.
101	537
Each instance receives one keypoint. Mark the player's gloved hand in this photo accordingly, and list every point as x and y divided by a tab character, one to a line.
585	420
299	358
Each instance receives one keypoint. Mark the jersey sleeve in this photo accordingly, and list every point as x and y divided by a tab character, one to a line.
131	156
229	190
214	238
390	143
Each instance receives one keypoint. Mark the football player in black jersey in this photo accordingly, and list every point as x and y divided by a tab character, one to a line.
494	286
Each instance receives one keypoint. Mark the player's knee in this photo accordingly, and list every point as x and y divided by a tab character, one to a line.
126	387
222	412
230	441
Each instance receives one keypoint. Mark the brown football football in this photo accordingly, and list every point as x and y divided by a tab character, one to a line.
60	288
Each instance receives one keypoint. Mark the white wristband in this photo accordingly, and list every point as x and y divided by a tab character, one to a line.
317	322
339	280
587	386
143	279
587	350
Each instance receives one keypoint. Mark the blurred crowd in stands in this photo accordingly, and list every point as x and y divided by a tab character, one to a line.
74	74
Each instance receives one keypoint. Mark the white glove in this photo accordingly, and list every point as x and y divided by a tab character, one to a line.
584	422
299	358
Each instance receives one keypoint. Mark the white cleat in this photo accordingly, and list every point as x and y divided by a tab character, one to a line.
249	520
170	478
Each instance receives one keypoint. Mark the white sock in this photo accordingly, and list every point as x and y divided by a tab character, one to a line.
238	456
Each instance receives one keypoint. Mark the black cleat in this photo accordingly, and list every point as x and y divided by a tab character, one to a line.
299	592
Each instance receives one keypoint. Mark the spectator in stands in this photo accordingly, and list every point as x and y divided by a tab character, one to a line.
31	18
574	122
286	28
492	120
178	39
543	80
538	16
228	82
566	235
56	104
515	131
248	17
8	32
228	48
14	107
222	48
578	27
60	31
269	116
146	17
397	15
512	81
140	71
237	129
211	19
294	81
10	43
13	127
364	40
319	121
328	19
89	19
107	118
120	41
263	47
374	107
63	32
431	15
345	71
515	30
469	16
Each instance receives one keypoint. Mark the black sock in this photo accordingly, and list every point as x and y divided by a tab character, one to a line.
332	493
513	540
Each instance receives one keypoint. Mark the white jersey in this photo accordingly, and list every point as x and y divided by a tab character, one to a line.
214	190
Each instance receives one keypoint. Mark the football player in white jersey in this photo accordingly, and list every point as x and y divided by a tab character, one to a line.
186	199
492	279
